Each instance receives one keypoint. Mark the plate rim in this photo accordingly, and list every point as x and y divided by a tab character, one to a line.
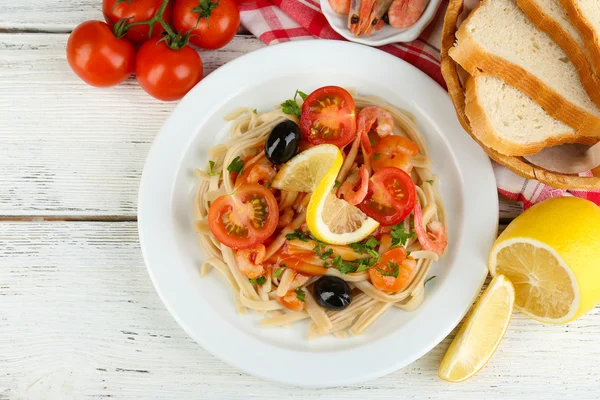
143	206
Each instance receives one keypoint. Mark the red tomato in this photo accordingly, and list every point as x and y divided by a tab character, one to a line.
136	11
167	74
291	301
394	151
97	56
394	271
329	116
391	196
213	23
298	265
244	218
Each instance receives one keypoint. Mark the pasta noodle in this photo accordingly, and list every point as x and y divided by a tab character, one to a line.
248	132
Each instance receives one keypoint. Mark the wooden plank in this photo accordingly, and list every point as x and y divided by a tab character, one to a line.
70	149
79	318
67	149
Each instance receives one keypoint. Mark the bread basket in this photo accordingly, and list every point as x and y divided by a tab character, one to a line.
518	165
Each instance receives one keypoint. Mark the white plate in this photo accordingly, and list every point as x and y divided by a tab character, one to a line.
387	34
204	306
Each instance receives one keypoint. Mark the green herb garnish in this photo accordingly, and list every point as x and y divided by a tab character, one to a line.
212	171
393	270
277	273
236	165
268	185
297	234
300	294
322	255
376	156
431	181
291	107
399	235
255	111
337	183
428	279
259	281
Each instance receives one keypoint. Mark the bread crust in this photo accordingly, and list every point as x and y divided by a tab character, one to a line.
590	37
473	58
516	164
545	23
482	128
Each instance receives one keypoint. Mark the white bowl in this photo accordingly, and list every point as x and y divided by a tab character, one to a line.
204	307
387	34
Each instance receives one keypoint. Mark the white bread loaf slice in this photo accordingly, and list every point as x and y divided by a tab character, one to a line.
498	39
508	121
585	15
551	17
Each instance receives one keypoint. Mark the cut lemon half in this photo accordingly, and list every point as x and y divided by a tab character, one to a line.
303	172
481	333
551	253
335	221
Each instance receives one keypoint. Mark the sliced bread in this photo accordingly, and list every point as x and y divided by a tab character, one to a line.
510	122
498	39
585	15
551	17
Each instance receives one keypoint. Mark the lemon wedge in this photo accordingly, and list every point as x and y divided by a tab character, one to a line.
481	333
551	254
303	172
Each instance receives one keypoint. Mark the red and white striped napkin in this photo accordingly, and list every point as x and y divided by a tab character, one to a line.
276	21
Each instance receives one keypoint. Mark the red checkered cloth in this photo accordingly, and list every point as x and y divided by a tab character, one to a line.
276	21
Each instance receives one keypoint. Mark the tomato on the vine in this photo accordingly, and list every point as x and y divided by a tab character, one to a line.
136	11
244	218
213	23
165	73
97	56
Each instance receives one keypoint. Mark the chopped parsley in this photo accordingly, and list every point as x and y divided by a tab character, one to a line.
393	270
376	156
428	279
337	183
291	107
367	246
259	281
212	171
268	185
322	255
399	235
236	165
300	294
297	234
255	111
277	273
431	181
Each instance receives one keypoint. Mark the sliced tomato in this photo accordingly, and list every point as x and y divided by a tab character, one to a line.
296	263
394	271
391	196
244	218
394	151
329	116
291	301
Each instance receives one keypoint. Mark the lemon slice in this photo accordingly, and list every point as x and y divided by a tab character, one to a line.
335	221
551	253
481	333
303	172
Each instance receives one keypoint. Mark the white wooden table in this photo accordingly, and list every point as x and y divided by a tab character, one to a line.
79	317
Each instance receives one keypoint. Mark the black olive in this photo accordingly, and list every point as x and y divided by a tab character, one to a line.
282	143
332	293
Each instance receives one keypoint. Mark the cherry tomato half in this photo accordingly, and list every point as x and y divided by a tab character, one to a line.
394	151
136	11
244	218
97	56
394	271
391	196
213	27
165	73
329	116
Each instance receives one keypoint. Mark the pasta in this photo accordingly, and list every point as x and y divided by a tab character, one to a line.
249	130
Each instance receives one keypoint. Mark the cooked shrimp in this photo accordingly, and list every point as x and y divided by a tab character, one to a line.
249	261
364	14
353	16
261	173
375	21
340	6
405	13
347	189
435	239
286	217
370	117
394	151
